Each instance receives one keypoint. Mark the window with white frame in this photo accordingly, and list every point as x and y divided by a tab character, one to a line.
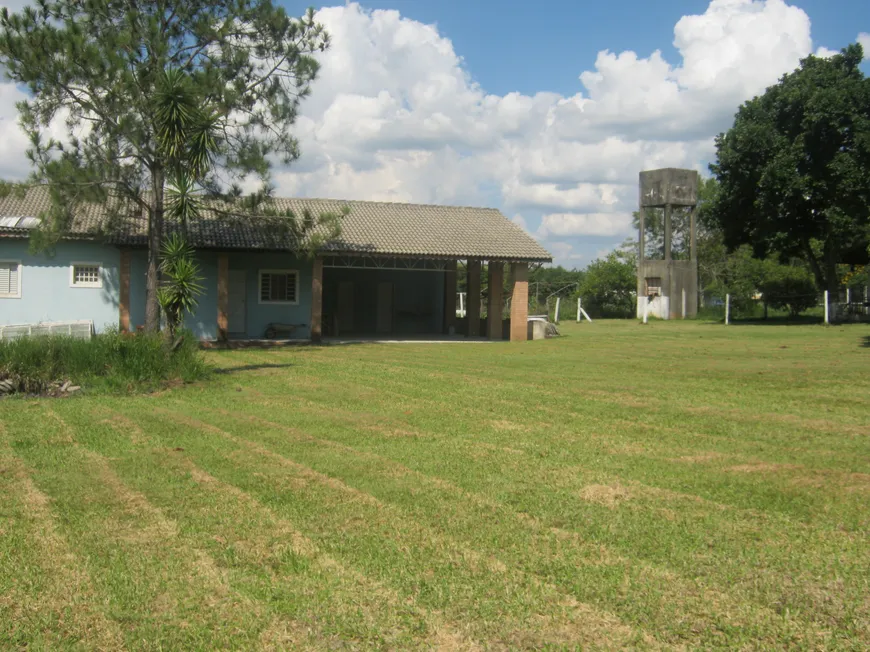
86	275
279	286
10	279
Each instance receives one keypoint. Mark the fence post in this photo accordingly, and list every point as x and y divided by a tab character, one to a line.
727	308
556	317
684	303
827	314
645	309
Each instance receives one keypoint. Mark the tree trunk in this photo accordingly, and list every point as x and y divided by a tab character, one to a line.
816	268
155	238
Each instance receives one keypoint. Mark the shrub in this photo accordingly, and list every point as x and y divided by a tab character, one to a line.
181	285
789	288
111	361
609	287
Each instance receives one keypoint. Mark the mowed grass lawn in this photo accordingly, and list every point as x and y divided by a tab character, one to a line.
679	484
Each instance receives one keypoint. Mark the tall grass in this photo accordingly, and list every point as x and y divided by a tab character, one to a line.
112	361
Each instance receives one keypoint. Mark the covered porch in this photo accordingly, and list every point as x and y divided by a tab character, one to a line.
365	298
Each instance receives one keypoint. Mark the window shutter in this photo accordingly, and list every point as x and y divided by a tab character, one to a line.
8	278
291	287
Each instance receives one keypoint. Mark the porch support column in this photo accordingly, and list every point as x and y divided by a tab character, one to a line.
520	302
223	296
124	291
450	297
494	306
317	300
472	298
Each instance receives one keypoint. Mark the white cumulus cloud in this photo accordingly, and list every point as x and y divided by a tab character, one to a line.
395	115
573	224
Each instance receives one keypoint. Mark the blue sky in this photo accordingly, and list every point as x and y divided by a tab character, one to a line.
512	46
515	45
544	110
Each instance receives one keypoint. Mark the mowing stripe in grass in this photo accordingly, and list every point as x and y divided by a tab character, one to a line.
578	568
501	602
752	438
269	560
740	528
47	599
788	498
157	588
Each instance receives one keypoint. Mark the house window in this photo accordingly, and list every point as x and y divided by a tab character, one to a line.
86	275
10	279
279	286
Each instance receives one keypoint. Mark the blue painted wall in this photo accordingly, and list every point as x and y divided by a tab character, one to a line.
46	294
259	315
138	267
203	322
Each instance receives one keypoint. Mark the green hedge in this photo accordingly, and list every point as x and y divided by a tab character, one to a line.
113	362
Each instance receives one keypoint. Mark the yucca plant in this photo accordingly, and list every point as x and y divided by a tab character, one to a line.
180	286
186	139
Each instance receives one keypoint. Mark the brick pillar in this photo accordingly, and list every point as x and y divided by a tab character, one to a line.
223	297
472	298
494	305
450	297
124	291
520	302
317	300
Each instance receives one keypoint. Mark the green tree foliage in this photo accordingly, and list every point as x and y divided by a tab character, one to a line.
97	67
794	170
609	286
181	282
738	274
787	287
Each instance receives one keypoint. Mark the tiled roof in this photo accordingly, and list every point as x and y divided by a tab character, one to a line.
373	228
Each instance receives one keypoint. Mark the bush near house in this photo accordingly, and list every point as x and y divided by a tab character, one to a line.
110	362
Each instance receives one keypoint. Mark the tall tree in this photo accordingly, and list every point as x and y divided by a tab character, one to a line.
95	67
794	170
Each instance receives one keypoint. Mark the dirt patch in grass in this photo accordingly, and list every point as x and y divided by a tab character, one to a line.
763	467
124	426
510	426
396	433
284	634
700	458
610	496
577	626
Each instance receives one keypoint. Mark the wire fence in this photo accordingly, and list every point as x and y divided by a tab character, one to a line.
846	305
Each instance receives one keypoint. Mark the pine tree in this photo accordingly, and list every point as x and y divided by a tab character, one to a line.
96	66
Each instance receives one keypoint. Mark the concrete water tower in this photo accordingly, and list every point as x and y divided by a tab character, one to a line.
667	267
